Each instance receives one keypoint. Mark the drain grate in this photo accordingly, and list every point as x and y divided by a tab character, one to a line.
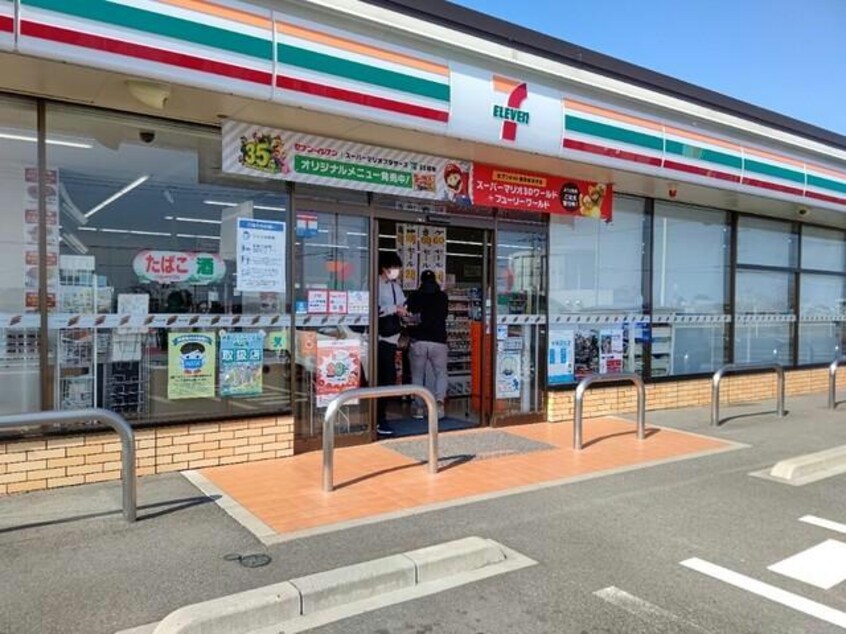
458	448
250	561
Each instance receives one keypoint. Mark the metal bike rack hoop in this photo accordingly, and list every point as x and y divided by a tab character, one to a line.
586	382
832	381
115	421
740	367
363	393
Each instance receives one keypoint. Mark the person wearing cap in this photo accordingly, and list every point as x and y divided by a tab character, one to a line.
429	350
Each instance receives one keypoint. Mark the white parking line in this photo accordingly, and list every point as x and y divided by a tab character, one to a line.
823	523
823	565
765	590
645	611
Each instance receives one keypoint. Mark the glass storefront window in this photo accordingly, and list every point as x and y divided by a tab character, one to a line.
766	242
690	266
332	305
764	319
823	249
171	281
596	276
820	317
19	256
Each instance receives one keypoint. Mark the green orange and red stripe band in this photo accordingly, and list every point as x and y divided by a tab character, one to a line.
361	99
140	51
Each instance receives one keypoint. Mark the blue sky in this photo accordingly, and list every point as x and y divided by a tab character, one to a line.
785	55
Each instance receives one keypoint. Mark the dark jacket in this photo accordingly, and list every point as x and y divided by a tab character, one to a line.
433	308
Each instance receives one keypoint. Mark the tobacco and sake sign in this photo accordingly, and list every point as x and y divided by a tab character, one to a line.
260	151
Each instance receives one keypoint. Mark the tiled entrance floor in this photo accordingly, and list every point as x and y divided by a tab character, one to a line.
372	480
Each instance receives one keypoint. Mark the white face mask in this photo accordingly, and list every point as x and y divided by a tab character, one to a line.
393	274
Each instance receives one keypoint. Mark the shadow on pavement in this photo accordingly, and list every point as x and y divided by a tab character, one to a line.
171	506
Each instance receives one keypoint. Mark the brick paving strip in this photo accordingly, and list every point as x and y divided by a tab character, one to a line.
376	482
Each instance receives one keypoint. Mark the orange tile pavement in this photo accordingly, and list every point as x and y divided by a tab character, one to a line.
372	480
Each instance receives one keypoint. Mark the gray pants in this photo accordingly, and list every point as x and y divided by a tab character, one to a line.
429	367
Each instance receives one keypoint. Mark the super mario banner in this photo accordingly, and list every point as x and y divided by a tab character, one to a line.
529	191
261	151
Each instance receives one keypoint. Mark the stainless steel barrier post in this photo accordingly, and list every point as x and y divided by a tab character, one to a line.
115	421
375	393
739	367
832	381
608	378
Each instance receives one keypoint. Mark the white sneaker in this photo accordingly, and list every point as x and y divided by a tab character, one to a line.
441	411
418	413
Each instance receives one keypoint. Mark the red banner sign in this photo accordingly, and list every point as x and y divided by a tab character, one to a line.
529	191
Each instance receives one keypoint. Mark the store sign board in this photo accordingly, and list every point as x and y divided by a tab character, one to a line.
545	193
167	267
504	111
279	154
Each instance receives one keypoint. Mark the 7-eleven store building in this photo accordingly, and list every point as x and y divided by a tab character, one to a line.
196	194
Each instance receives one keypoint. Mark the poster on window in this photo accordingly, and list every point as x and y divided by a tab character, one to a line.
241	363
611	351
586	353
31	259
560	366
261	255
338	368
509	381
191	360
432	251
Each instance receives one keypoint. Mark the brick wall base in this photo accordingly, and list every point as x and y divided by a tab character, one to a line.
601	401
30	465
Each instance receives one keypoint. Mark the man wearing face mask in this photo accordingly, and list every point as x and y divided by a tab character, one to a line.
391	313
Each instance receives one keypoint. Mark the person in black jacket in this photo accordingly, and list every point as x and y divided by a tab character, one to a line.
429	348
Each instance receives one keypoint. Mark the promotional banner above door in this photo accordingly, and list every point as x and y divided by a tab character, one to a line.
545	193
301	158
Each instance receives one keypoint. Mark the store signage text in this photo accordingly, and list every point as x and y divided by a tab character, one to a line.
168	267
511	114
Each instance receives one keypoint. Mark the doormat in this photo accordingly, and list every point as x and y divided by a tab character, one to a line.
455	449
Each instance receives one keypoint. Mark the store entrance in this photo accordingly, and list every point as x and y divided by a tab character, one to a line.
459	257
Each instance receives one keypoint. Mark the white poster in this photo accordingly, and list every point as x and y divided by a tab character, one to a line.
611	351
509	364
358	302
337	303
261	256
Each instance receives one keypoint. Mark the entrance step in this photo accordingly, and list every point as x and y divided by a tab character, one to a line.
306	602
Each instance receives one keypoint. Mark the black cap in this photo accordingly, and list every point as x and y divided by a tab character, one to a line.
428	282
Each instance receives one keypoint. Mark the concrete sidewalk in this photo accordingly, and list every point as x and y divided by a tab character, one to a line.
71	564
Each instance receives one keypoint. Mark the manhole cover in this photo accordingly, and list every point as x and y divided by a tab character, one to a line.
249	561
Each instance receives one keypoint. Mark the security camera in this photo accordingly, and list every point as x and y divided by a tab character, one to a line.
147	136
803	211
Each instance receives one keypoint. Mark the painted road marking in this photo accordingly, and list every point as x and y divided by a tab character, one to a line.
657	617
765	590
823	523
823	566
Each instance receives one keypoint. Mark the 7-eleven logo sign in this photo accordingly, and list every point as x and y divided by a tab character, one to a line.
515	93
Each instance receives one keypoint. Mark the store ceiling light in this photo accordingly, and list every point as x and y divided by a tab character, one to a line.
220	203
204	221
138	181
58	142
191	235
